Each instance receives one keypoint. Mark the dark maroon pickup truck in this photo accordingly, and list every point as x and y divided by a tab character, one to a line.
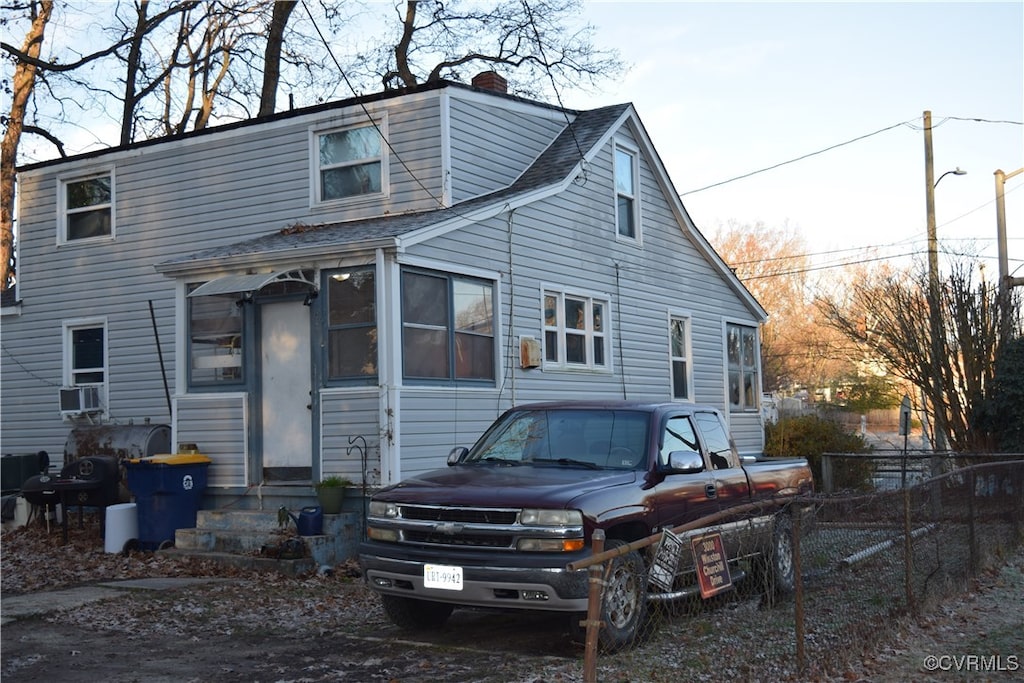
499	525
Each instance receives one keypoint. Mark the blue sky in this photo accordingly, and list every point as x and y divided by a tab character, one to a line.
728	88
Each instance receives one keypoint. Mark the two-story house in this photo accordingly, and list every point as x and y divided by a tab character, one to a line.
355	288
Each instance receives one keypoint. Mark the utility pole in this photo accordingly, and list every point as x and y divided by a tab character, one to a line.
934	315
1005	280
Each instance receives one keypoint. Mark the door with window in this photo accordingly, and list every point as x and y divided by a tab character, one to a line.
285	396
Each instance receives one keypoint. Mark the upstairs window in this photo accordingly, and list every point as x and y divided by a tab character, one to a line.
575	331
87	208
351	325
626	209
679	353
447	328
350	163
741	351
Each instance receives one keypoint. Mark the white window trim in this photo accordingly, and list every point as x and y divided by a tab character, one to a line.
67	372
381	121
62	206
687	319
634	154
590	298
758	390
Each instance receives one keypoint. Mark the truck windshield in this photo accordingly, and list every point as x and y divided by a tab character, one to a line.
600	439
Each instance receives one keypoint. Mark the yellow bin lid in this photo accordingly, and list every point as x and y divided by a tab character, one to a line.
172	459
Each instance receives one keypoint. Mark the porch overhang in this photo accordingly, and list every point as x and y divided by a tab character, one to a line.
253	282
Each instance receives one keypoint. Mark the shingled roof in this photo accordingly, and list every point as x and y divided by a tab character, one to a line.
551	168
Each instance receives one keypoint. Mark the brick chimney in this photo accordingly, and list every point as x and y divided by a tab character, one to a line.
490	80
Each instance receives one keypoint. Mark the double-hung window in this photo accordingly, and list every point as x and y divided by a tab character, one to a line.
626	195
350	163
86	207
679	353
447	327
352	325
741	351
575	331
85	353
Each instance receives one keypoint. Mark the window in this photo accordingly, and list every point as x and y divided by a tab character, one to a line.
716	440
575	331
447	327
679	436
625	193
350	163
215	339
741	349
87	207
351	325
679	352
85	353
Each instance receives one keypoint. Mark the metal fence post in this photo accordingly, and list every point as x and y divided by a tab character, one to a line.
798	589
908	553
972	535
593	622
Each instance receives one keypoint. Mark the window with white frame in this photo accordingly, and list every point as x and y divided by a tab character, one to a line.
87	207
85	353
215	334
741	351
350	163
679	352
447	327
575	331
626	204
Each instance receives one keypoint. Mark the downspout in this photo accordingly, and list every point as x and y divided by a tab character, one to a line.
511	313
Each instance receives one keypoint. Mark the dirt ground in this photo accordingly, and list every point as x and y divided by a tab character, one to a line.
242	626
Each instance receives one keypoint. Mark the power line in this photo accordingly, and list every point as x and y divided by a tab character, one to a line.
799	158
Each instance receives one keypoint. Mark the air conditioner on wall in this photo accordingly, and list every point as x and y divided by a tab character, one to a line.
78	400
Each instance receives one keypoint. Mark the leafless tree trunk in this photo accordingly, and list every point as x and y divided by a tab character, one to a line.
272	55
23	82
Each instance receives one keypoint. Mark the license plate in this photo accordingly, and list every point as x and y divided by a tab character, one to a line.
442	576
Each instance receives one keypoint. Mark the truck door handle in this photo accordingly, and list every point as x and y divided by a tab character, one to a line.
710	491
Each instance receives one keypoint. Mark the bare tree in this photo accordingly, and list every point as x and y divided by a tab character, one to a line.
772	263
272	55
23	82
888	316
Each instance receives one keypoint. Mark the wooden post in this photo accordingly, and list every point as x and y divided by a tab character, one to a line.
593	622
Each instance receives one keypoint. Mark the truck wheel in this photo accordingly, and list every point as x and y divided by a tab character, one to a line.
774	570
415	615
624	603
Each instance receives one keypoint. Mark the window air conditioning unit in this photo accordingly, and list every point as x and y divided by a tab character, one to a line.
78	400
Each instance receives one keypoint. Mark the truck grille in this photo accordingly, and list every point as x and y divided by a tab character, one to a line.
459	514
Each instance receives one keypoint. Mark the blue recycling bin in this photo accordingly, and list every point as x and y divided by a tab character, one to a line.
167	490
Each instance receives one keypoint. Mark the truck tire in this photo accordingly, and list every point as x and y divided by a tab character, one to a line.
415	615
774	570
623	604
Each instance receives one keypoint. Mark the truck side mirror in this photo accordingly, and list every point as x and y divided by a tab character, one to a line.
685	462
456	455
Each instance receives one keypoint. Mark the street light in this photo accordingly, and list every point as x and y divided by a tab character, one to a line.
933	287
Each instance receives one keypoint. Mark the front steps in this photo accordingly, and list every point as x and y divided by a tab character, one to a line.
253	538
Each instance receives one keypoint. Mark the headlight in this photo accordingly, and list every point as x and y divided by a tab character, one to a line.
381	534
382	509
535	517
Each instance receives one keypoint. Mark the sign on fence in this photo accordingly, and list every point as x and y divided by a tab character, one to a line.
711	564
666	561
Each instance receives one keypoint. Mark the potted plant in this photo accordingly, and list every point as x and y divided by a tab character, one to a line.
330	492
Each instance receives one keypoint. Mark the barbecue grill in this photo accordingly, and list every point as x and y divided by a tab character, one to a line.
90	481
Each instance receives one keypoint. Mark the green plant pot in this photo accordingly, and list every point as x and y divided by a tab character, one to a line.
330	499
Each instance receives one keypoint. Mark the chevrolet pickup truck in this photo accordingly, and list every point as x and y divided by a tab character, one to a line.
498	527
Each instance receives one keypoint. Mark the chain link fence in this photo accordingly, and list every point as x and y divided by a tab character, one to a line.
819	581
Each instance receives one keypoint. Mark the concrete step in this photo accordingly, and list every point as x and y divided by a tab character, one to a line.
255	533
289	567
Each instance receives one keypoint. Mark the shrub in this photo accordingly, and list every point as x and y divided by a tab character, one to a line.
808	436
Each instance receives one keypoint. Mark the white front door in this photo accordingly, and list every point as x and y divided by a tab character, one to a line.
286	400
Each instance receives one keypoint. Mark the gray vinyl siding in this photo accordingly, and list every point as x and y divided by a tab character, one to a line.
216	424
348	420
492	145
